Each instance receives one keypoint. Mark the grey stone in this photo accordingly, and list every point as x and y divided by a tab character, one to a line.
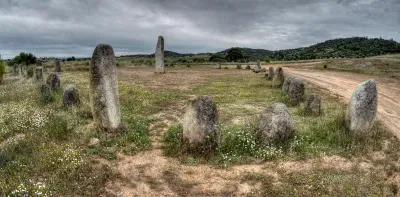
219	66
277	80
39	73
314	106
286	84
94	142
70	96
54	82
296	91
248	67
274	124
160	55
104	89
258	64
58	66
29	72
200	125
362	109
271	73
45	94
238	66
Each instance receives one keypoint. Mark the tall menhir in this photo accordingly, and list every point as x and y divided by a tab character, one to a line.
104	94
160	55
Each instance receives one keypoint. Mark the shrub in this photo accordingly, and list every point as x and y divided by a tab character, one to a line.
267	60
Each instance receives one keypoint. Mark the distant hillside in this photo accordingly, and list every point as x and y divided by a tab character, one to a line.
355	47
342	47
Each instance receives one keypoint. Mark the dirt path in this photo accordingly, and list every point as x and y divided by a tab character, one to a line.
343	84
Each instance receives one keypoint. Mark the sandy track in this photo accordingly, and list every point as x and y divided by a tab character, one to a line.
343	84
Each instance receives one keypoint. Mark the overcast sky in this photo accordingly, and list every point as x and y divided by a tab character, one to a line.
62	28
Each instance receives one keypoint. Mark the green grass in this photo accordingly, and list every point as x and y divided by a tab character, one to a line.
312	136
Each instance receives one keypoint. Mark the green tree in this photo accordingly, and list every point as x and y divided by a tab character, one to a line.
267	59
234	54
23	58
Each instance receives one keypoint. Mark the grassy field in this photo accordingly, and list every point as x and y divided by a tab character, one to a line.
44	147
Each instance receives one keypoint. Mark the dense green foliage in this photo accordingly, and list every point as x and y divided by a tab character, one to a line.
23	58
234	54
267	60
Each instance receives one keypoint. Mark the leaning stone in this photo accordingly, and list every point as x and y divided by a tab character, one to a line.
104	89
274	124
296	91
160	55
58	66
70	96
39	73
29	72
54	82
362	109
248	67
277	80
286	84
271	73
45	94
314	106
200	125
238	66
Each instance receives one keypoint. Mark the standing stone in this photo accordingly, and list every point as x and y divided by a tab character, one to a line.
200	125
219	66
274	124
70	96
277	80
20	72
248	67
286	84
160	55
238	66
271	73
54	82
45	94
29	72
39	73
361	111
296	91
58	66
314	106
258	64
104	89
15	69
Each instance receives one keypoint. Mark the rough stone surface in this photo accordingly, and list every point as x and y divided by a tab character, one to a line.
29	72
58	66
45	94
39	73
361	111
314	106
94	142
296	91
286	84
274	124
258	64
271	73
70	96
104	89
257	70
54	82
238	66
248	67
200	125
277	80
160	55
219	66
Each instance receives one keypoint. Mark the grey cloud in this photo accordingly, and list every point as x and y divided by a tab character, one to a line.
73	27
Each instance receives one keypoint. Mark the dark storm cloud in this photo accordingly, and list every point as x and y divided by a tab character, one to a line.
73	27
